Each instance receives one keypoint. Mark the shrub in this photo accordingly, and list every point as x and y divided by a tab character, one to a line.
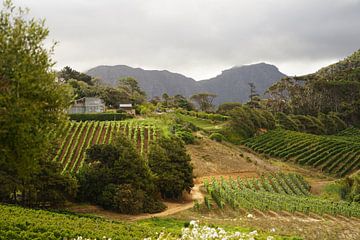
171	164
217	137
186	136
116	177
99	116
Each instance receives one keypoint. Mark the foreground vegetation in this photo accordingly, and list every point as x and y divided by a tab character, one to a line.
27	224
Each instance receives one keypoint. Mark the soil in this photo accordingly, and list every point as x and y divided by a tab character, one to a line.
77	147
210	158
173	207
97	130
87	140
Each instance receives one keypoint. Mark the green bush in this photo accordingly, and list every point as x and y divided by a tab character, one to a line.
204	115
217	137
286	122
169	161
186	136
116	177
99	116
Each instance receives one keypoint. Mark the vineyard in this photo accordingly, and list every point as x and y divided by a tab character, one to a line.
336	155
79	136
276	193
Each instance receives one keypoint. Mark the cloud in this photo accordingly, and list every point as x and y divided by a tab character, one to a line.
199	38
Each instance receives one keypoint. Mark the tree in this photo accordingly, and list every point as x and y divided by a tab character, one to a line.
115	176
171	164
226	107
32	104
182	102
131	86
68	73
165	97
254	97
204	101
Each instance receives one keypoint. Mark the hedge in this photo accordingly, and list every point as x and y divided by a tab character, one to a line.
99	116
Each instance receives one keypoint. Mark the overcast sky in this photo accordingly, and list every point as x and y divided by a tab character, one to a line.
199	38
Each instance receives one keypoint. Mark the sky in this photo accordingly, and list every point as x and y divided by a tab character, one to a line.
200	38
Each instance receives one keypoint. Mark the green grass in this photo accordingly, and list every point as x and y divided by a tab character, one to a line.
204	124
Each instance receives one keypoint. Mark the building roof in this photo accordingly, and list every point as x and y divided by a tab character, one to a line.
125	105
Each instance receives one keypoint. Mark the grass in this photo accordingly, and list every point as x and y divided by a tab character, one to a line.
204	124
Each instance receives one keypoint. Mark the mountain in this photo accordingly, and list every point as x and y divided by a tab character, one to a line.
230	86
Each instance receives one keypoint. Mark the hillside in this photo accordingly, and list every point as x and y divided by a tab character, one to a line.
230	86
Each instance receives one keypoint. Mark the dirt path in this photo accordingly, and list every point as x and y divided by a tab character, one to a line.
172	208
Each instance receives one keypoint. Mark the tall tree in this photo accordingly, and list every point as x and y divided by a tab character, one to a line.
32	103
131	86
204	101
171	164
254	97
68	73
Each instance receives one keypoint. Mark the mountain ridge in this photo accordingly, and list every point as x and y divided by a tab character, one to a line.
231	85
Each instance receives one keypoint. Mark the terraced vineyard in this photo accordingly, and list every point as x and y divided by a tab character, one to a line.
336	155
78	136
239	196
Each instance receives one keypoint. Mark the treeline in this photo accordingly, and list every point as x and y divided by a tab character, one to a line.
335	88
247	122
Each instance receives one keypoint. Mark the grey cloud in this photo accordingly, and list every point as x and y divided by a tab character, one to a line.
199	37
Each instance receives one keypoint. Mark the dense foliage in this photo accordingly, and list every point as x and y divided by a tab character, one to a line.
226	107
337	155
335	88
116	177
347	188
321	125
99	116
170	163
246	121
32	105
67	73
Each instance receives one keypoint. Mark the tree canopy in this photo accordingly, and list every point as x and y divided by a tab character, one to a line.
32	103
204	101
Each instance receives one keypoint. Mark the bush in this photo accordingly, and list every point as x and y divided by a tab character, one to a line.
217	137
246	121
226	107
203	115
186	136
116	177
171	164
99	116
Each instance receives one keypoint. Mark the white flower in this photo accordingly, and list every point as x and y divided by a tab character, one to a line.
272	230
250	215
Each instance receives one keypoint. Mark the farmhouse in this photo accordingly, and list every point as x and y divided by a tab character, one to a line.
128	108
88	105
